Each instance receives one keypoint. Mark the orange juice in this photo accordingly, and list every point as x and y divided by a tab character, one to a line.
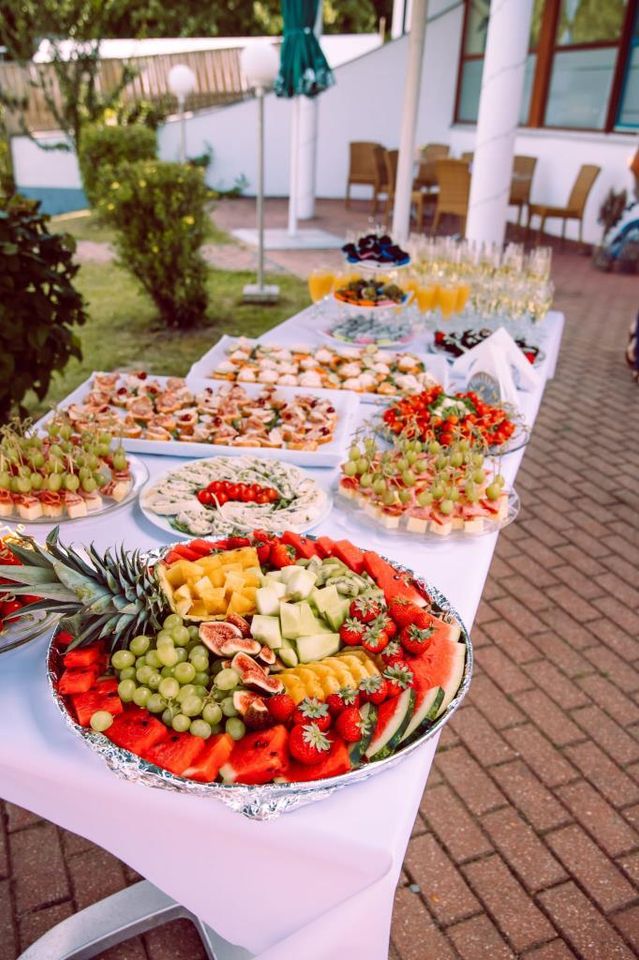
463	293
320	284
426	296
447	300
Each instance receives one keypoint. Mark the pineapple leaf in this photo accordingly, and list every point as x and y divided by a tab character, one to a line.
54	591
102	604
31	557
30	575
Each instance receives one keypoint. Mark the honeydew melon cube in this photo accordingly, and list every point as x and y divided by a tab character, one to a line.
324	597
300	584
317	647
336	613
288	655
268	601
267	630
291	620
287	572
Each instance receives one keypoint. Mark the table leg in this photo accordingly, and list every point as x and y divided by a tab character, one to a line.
119	917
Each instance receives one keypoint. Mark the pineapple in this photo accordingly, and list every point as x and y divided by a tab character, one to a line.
114	594
327	676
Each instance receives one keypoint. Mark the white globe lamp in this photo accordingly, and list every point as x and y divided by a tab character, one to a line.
181	81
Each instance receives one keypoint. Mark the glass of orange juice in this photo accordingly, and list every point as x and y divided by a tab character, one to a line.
320	283
426	295
463	293
447	299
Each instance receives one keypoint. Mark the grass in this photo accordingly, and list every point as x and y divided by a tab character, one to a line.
84	225
123	330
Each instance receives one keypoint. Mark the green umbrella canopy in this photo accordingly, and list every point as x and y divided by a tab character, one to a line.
303	66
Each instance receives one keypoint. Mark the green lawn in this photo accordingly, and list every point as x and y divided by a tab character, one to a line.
123	329
84	225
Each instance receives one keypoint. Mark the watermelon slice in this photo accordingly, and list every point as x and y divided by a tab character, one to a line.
258	757
324	547
302	545
336	762
349	554
438	674
207	764
84	656
78	679
368	713
86	704
136	730
390	581
392	719
176	752
442	630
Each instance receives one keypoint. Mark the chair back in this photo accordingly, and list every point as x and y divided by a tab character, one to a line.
426	173
453	177
582	187
364	166
521	183
390	160
467	157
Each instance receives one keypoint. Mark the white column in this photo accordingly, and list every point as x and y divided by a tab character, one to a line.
397	22
307	159
294	170
406	161
499	106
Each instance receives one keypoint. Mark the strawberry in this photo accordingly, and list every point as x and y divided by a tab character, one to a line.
312	710
351	632
389	626
281	555
402	611
392	652
399	676
365	609
416	640
308	744
263	552
349	725
375	639
346	697
373	689
281	707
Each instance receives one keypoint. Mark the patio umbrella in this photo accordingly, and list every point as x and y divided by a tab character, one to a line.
303	72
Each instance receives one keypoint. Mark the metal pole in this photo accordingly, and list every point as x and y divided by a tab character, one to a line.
182	129
404	182
260	189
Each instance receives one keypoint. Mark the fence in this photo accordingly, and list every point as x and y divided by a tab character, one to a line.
219	81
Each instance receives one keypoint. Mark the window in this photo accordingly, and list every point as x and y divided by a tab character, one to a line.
582	70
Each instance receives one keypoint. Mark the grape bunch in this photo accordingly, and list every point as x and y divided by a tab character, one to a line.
173	675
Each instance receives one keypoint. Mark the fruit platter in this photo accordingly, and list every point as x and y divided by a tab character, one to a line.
176	417
435	416
456	344
429	490
266	671
371	293
220	496
364	370
375	250
65	474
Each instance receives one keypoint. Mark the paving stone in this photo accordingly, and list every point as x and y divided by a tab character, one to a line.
414	934
523	851
38	868
478	939
604	824
576	634
555	950
4	849
627	921
607	696
8	939
596	873
616	669
631	866
503	671
511	641
94	875
452	824
529	795
73	843
577	559
134	950
34	925
584	927
480	737
603	773
178	940
558	652
619	613
494	705
610	736
18	818
540	755
442	885
615	638
513	910
476	789
556	724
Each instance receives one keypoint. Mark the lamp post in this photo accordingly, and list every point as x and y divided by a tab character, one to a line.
181	84
259	64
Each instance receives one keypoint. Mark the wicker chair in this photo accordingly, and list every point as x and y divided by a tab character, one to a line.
453	177
523	173
467	157
417	197
426	177
574	209
366	168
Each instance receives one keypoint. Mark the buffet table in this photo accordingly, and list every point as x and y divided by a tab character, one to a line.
316	883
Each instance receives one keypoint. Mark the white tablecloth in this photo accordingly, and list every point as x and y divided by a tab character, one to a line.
317	883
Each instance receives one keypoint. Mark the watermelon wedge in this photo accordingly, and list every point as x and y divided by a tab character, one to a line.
368	713
207	764
390	581
302	545
349	554
78	679
324	547
86	704
442	629
336	762
84	656
136	730
257	757
392	719
176	752
438	674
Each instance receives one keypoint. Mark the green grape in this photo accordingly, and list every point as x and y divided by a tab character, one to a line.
187	691
24	484
89	485
217	666
167	656
120	461
493	491
370	446
200	728
66	431
402	464
425	498
228	707
182	654
37	481
184	672
140	644
156	703
173	620
411	456
153	660
197	650
409	478
499	480
453	494
477	459
194	633
180	723
101	720
122	659
437	491
192	706
434	447
227	679
200	663
446	507
143	674
235	728
14	485
212	713
421	466
128	673
167	672
354	453
71	482
441	462
366	480
456	459
379	486
164	639
142	662
202	679
5	479
168	713
362	466
141	696
126	689
388	498
84	473
169	687
350	468
99	479
180	636
154	680
404	496
201	690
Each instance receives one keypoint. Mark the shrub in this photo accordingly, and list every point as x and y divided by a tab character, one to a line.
158	211
104	148
38	302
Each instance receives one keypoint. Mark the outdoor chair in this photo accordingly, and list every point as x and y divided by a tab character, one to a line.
574	209
453	177
426	177
467	157
366	168
417	197
523	173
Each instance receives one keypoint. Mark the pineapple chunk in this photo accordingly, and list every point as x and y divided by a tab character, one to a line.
181	571
212	597
246	556
218	602
217	577
199	610
250	593
214	562
232	568
183	600
233	582
328	675
240	604
251	579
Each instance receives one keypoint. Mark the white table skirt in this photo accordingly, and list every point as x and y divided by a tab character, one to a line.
319	881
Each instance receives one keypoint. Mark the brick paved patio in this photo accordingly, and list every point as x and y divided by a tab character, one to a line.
526	844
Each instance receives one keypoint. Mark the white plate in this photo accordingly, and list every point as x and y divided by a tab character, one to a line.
328	455
260	522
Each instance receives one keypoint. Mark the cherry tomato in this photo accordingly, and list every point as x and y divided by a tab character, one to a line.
221	499
205	497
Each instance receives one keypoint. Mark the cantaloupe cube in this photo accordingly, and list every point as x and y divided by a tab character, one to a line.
240	604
